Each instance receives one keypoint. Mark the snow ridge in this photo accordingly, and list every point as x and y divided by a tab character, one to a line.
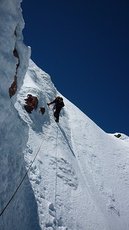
71	177
74	175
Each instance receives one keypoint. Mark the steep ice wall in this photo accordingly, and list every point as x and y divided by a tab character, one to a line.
79	179
11	26
13	132
80	174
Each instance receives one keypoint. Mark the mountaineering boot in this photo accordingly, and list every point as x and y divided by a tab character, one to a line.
57	120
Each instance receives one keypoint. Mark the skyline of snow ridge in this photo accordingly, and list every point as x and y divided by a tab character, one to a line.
84	47
66	176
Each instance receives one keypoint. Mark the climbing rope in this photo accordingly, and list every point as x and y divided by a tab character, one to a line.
56	169
1	213
56	154
2	221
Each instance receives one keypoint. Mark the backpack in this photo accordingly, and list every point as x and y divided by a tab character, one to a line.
59	102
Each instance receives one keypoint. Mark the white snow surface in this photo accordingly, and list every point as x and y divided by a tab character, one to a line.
66	176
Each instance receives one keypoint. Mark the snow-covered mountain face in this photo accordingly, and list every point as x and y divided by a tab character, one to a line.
69	175
80	174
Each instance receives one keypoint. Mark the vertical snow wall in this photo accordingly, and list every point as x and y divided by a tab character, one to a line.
14	57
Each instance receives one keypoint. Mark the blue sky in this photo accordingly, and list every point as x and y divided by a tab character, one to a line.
84	46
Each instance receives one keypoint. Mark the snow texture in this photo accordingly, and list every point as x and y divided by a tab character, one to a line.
70	175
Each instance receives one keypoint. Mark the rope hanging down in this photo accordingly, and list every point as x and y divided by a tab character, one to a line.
1	213
56	182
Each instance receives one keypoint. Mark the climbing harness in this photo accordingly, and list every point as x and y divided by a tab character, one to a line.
1	213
